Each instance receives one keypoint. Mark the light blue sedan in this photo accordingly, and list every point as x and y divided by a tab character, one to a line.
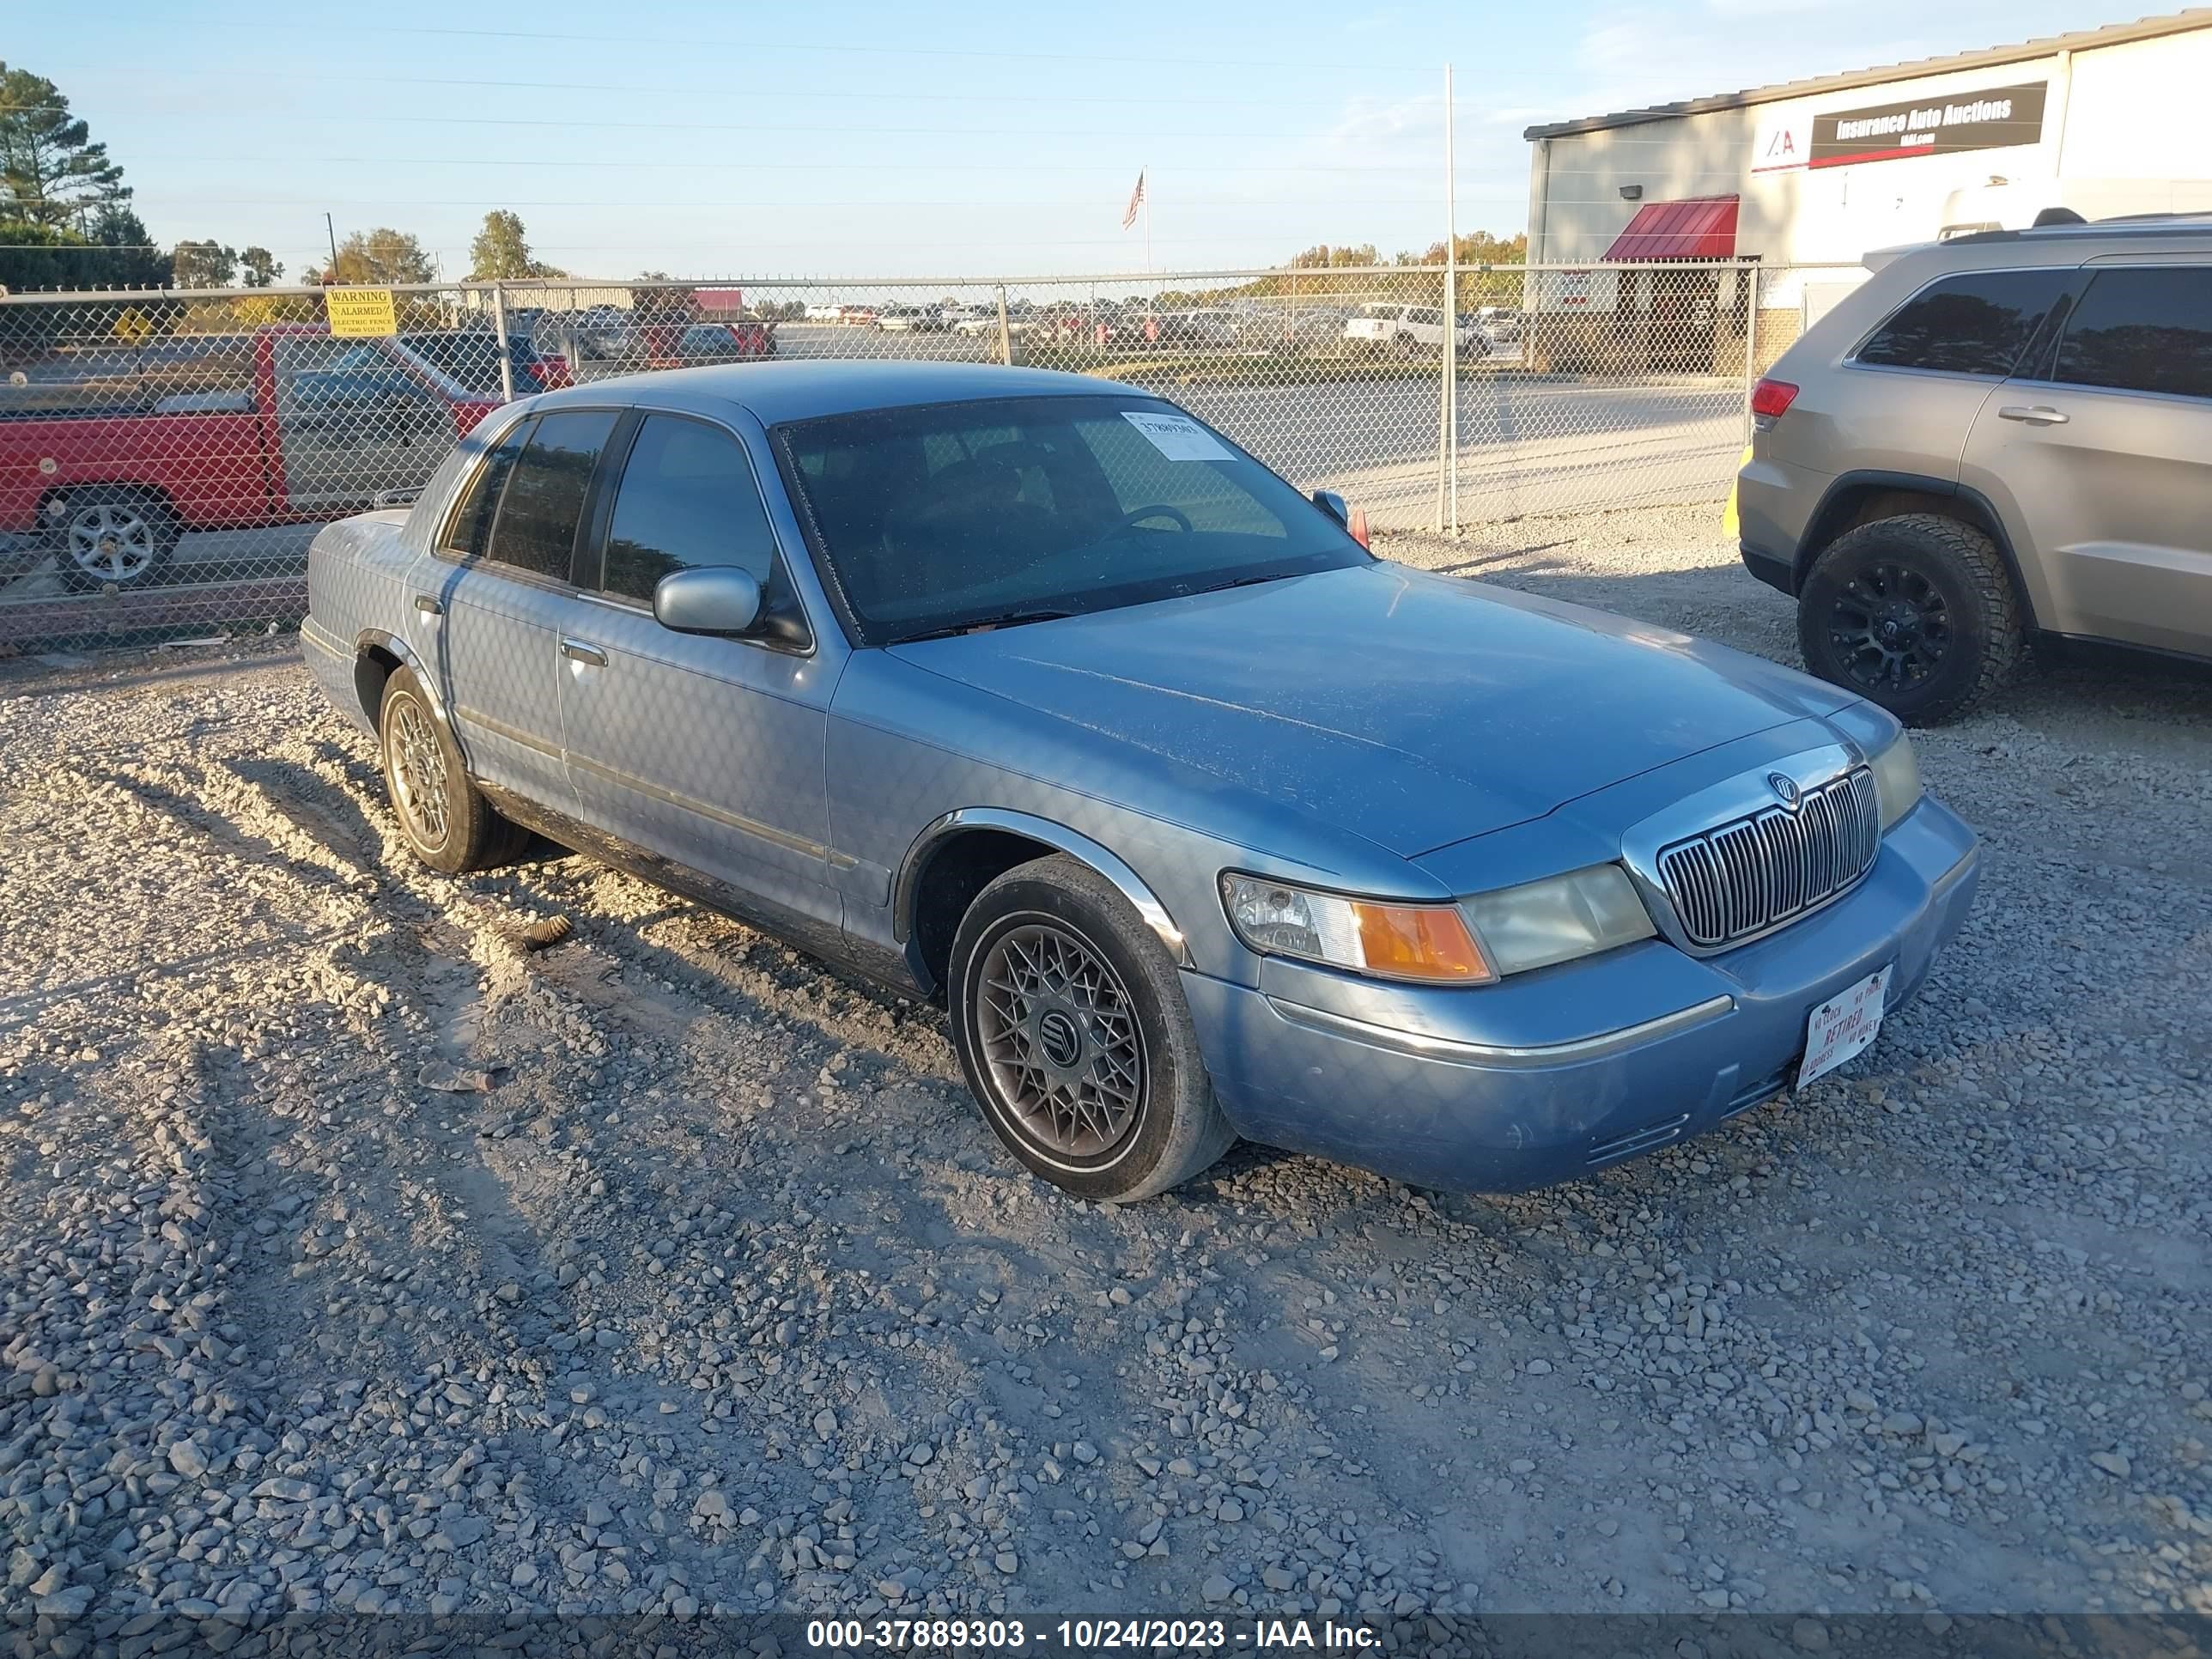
1033	695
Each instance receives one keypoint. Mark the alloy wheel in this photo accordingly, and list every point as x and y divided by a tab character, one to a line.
113	541
1060	1041
418	772
1890	628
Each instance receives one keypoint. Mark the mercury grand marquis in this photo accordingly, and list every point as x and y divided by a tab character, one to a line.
1034	694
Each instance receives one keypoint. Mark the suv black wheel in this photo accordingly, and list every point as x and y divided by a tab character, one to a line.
1072	1032
448	823
1917	613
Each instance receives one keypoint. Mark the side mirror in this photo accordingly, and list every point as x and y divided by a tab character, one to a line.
1353	519
711	598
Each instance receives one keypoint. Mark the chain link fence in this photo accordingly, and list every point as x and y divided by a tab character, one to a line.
165	457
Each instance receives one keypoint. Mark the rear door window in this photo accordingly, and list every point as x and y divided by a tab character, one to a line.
1979	323
2142	329
536	530
470	527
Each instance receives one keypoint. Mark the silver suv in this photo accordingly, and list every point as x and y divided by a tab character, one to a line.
2000	437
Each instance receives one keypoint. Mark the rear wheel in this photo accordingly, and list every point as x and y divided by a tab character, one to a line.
448	823
113	538
1917	613
1073	1030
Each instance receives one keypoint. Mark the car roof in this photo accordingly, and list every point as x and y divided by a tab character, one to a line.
776	392
2062	243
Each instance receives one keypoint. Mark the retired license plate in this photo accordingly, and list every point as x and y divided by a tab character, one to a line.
1842	1026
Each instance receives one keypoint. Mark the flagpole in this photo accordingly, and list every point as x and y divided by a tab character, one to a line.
1144	172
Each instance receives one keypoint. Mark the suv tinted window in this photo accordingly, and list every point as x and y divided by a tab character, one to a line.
687	498
472	515
1976	324
536	527
2144	330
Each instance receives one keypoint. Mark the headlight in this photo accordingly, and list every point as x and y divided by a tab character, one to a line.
1558	919
1427	942
1896	781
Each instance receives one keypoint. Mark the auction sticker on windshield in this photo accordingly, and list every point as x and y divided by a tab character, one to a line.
1178	437
1842	1026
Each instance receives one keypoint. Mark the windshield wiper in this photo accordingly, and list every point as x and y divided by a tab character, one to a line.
984	625
1240	582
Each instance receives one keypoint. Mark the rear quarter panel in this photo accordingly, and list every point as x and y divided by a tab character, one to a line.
357	597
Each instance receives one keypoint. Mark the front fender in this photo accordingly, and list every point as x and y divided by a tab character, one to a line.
1075	844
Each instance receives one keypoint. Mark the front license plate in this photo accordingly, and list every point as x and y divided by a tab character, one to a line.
1842	1026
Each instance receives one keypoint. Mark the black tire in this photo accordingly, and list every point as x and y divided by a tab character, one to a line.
1917	613
112	535
446	822
1129	1018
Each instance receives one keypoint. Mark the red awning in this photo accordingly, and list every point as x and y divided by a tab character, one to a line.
1697	227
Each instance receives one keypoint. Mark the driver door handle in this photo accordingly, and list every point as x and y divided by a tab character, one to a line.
2032	413
577	651
426	605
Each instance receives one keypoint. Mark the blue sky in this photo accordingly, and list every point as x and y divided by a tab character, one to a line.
981	139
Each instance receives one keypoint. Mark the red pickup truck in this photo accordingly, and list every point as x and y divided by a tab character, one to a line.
106	466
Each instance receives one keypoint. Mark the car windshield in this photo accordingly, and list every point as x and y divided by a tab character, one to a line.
953	515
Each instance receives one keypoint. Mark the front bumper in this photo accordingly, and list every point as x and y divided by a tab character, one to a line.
1475	1110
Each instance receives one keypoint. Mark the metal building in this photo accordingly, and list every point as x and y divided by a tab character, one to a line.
1650	212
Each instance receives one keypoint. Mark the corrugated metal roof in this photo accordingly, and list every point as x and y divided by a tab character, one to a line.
2146	28
1695	227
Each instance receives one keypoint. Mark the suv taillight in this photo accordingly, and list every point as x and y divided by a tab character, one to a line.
1771	399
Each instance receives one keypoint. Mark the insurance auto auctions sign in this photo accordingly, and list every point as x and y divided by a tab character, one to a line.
1987	119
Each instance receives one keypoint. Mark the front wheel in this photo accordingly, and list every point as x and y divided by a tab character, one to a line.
1917	613
1073	1031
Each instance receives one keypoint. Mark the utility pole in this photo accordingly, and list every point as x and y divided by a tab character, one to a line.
1451	302
331	230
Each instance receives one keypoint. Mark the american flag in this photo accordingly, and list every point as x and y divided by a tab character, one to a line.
1136	200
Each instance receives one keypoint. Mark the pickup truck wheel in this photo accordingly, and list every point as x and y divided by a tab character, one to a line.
118	536
1917	613
1073	1030
448	823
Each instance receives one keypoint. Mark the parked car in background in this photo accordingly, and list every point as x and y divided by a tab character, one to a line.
1034	694
744	341
1208	328
1406	328
471	355
911	319
2005	435
1499	325
284	425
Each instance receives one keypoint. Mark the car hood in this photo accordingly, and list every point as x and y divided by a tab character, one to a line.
1411	709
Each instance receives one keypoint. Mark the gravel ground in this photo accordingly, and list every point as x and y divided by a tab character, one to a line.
355	1255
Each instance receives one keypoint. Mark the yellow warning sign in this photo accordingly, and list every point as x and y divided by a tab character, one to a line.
133	326
362	311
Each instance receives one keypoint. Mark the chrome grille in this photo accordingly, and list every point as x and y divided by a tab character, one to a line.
1742	878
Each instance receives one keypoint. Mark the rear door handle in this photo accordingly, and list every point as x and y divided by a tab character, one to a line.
577	651
428	607
2033	414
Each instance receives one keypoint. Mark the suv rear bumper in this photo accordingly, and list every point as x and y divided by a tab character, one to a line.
1777	571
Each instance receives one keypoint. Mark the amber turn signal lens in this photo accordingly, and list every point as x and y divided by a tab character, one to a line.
1430	942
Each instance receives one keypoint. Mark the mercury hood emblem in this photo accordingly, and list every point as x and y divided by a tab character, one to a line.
1783	785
